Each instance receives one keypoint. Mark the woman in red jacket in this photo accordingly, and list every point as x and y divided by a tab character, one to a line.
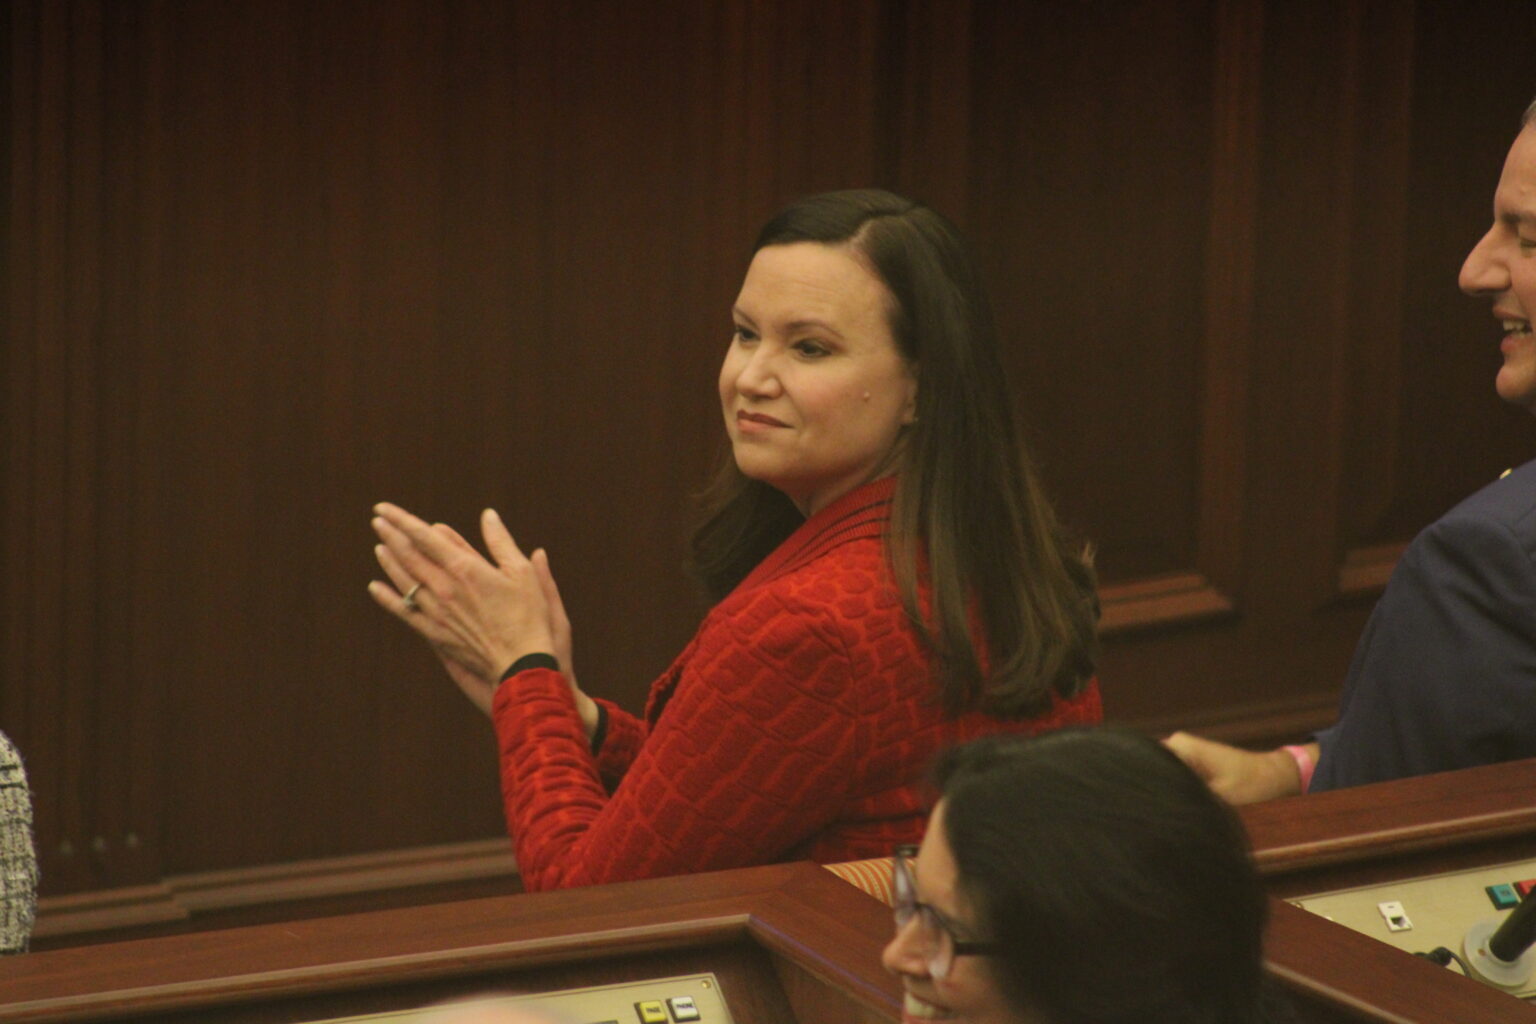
890	581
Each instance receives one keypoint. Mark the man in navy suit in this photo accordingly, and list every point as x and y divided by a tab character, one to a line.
1444	676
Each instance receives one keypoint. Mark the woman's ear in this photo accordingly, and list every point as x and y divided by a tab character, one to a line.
909	410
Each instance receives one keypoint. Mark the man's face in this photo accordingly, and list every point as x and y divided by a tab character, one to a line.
1502	268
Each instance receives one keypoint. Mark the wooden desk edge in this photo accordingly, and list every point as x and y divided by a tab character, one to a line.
1389	818
790	909
1326	961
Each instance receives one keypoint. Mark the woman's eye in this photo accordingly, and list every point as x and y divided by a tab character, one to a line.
743	334
813	349
1528	243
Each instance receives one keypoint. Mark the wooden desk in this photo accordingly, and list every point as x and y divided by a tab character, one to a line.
1369	834
788	942
1395	829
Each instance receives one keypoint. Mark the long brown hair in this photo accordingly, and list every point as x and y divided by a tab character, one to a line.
971	523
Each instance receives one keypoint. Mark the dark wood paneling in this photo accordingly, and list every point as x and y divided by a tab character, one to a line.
267	264
1090	198
1334	429
60	634
1454	435
451	255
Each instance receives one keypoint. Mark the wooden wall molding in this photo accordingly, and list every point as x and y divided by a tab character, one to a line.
338	876
1160	601
191	897
1365	570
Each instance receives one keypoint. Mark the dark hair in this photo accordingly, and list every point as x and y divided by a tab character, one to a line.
967	499
1119	887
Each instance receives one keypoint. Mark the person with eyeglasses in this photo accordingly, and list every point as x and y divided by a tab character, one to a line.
1086	875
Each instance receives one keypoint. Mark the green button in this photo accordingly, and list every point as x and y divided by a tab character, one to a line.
1503	896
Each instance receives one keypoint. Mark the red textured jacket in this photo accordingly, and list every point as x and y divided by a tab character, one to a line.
798	723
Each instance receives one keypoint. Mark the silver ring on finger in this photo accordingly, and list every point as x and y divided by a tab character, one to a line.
410	599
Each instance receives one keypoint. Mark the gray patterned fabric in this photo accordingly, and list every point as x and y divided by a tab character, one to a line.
18	860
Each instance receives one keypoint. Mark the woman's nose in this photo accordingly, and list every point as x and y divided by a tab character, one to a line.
759	375
1483	272
904	954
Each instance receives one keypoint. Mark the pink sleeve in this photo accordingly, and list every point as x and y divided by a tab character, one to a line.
751	757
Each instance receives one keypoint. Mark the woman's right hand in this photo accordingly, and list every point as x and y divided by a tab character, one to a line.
481	690
476	675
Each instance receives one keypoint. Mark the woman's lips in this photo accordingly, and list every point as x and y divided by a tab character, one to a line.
749	419
915	1008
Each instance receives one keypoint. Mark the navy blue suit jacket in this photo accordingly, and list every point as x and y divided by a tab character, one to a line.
1444	676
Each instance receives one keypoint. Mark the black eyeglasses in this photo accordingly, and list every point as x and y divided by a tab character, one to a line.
935	935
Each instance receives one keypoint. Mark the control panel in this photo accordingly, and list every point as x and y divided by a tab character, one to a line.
690	999
1420	914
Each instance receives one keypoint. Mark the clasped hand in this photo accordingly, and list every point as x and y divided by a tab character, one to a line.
1236	775
480	615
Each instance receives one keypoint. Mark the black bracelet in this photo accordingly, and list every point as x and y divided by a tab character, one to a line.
536	660
541	660
601	732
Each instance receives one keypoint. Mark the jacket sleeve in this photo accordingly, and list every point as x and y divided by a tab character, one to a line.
751	756
1444	676
621	742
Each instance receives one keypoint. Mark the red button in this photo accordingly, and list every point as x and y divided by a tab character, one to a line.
1524	888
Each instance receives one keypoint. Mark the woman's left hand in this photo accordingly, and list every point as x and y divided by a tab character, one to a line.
481	614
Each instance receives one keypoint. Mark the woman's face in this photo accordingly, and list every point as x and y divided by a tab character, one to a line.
813	388
968	992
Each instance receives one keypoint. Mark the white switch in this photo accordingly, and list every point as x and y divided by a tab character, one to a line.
683	1008
1397	919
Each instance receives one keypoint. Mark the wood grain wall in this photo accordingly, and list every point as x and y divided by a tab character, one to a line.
268	262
